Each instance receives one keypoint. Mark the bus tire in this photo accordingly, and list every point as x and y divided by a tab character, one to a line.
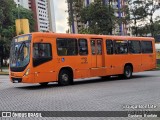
127	72
64	78
44	84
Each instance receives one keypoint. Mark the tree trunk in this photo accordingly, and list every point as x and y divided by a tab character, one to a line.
135	24
152	27
110	31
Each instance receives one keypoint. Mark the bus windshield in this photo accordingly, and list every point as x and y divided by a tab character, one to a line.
20	51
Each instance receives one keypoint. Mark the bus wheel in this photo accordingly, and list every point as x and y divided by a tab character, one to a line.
64	77
127	72
44	84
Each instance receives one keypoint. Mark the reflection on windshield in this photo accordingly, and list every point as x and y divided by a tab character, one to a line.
20	53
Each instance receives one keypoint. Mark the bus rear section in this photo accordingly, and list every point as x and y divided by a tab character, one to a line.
138	52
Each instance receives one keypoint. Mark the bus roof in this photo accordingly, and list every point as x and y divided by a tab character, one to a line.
89	36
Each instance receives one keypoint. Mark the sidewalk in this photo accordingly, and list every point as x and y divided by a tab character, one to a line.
5	71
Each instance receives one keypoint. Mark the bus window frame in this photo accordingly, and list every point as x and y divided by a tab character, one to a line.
139	44
114	44
79	48
67	54
142	47
40	60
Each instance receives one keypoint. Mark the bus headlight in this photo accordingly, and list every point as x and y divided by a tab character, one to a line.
27	72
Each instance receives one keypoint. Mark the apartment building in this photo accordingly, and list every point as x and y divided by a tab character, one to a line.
121	29
118	5
43	11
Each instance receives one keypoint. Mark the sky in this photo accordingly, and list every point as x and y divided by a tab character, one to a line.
61	16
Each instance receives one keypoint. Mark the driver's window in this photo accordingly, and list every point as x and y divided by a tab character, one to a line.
42	50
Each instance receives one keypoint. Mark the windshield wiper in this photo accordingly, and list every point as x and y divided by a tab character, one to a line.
21	47
20	50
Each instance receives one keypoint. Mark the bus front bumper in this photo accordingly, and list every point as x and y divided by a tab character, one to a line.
22	79
16	80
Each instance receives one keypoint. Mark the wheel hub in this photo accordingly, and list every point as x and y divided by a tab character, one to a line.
128	73
65	77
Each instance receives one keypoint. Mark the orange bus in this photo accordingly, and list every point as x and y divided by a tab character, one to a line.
53	57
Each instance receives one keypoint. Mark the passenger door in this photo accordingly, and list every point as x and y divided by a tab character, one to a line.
96	57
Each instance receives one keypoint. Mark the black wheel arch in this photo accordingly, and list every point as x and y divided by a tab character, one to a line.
129	64
68	69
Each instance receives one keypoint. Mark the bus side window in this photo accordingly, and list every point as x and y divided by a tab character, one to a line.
109	47
99	47
121	47
42	50
134	47
83	47
147	46
67	46
93	47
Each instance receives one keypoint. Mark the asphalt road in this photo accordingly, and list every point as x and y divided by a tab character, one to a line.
85	95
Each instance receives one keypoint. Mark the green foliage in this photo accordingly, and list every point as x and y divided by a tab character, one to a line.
137	13
157	27
141	11
85	31
6	9
151	8
8	14
75	6
23	13
99	17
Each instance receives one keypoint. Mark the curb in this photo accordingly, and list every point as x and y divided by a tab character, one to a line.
1	73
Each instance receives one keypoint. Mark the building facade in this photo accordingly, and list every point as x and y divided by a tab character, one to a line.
43	11
121	29
118	5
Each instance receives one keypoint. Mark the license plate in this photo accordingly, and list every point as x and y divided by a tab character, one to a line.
15	81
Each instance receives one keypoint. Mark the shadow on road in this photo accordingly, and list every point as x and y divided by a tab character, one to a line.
88	81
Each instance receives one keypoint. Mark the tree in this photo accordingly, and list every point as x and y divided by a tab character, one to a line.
141	15
137	13
23	13
157	27
6	23
98	18
74	8
151	7
8	15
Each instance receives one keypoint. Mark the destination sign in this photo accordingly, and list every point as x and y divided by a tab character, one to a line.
22	38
